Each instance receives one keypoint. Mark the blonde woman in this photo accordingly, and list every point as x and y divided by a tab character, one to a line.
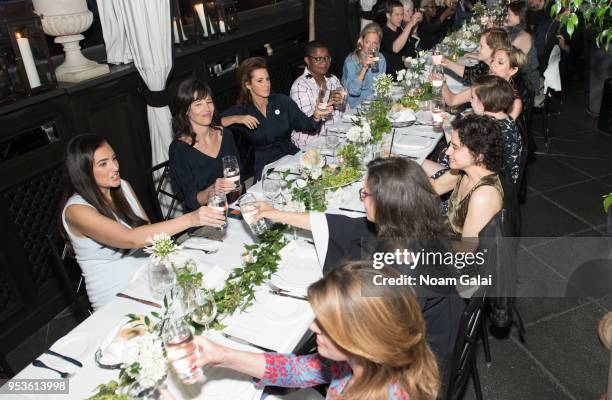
490	40
362	66
355	356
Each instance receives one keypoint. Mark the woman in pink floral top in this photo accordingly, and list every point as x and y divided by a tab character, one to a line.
365	350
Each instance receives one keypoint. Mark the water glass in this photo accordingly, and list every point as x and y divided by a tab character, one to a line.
437	76
231	170
374	65
218	201
181	350
437	112
339	96
436	57
249	207
332	142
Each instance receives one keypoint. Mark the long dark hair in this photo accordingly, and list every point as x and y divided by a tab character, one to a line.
79	179
405	202
245	73
189	90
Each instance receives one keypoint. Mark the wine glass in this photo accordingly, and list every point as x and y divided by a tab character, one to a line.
218	201
332	141
271	188
205	309
436	56
374	65
231	170
437	75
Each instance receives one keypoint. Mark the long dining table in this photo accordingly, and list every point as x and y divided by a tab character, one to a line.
273	322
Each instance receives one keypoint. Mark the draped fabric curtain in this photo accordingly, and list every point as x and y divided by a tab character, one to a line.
139	30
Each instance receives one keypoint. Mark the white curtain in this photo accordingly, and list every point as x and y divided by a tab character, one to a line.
139	30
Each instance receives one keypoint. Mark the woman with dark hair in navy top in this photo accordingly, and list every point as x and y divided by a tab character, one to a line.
199	146
270	117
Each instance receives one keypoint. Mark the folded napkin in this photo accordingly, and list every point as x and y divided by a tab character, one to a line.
112	347
406	115
424	117
552	77
407	142
202	243
215	278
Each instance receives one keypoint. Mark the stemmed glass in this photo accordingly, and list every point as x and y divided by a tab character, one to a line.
332	141
205	309
271	188
231	170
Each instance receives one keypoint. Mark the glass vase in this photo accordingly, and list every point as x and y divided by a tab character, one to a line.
161	277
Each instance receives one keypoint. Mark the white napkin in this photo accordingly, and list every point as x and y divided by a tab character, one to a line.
202	243
112	351
348	118
408	142
552	77
405	115
215	278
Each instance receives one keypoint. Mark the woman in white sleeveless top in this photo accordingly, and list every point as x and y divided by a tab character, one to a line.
102	219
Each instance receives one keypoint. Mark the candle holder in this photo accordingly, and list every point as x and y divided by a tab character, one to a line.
227	12
29	65
183	24
211	12
203	26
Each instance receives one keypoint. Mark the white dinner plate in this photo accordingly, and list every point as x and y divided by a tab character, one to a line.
278	308
217	381
76	345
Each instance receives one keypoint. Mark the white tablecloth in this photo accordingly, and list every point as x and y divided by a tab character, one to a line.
274	322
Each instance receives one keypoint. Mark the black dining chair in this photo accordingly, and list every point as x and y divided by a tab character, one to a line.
463	364
159	187
69	275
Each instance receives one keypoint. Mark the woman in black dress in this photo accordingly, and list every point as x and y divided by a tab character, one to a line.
270	117
402	211
196	154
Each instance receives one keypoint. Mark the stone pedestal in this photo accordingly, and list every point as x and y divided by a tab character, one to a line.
66	20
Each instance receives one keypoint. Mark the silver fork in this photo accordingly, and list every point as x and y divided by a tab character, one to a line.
275	290
205	251
40	364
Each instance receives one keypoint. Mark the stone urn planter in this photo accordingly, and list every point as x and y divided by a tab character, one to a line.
66	20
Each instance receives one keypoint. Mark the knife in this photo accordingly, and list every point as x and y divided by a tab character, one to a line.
245	342
65	358
147	302
285	294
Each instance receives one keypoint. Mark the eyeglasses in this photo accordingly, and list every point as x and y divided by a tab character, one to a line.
320	59
363	194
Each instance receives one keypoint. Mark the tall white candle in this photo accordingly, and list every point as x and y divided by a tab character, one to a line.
28	61
175	31
200	10
222	26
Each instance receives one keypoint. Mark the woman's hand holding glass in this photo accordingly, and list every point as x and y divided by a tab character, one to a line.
207	216
265	210
224	185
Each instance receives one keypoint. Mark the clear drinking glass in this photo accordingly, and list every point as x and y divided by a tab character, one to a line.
271	188
205	309
339	96
436	57
332	142
181	349
437	76
437	111
374	65
218	201
249	207
231	170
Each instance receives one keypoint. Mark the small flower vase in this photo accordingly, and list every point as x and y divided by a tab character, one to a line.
161	277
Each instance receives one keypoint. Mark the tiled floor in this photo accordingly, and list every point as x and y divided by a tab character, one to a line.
562	357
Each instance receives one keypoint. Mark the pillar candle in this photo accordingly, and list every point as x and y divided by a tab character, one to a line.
200	10
222	26
28	61
175	31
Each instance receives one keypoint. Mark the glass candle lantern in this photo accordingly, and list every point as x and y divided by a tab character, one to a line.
184	21
29	65
227	15
204	27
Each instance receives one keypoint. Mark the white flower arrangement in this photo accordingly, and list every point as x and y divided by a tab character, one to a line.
143	360
359	133
382	85
162	247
